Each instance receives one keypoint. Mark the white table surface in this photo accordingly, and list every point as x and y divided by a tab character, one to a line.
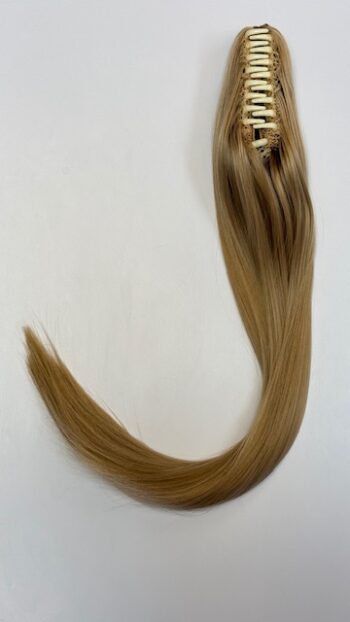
108	239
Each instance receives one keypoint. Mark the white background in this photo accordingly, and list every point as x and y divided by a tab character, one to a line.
108	239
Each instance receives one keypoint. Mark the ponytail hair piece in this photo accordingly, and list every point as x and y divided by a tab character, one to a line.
265	223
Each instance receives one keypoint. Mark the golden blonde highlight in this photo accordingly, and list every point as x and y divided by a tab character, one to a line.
265	223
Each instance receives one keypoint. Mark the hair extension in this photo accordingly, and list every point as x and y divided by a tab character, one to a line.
265	222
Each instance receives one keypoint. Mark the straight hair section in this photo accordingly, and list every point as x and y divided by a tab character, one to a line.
265	222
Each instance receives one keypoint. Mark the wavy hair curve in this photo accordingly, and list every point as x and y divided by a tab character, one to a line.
265	222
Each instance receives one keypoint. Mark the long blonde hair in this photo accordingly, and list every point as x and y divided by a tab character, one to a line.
266	229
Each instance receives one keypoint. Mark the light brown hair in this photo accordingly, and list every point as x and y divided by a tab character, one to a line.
266	229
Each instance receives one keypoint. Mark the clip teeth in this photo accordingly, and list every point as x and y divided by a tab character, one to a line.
258	108
256	31
261	142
